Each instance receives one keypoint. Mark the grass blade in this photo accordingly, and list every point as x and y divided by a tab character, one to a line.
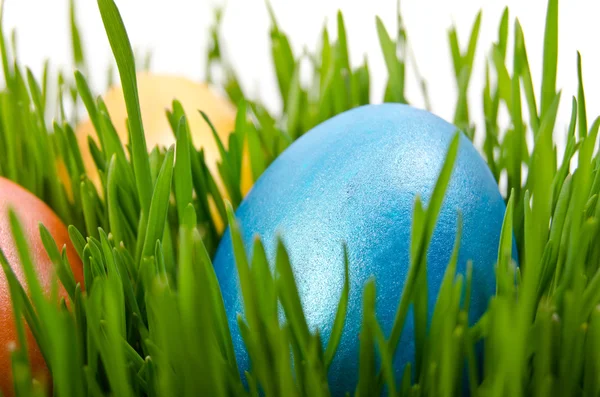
394	67
121	47
340	316
183	169
160	204
550	56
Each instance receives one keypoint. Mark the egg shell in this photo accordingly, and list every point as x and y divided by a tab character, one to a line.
354	179
31	211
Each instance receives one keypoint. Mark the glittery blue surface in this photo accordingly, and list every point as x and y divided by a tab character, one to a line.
354	179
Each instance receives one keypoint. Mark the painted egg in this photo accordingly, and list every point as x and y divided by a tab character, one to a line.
354	179
31	211
156	94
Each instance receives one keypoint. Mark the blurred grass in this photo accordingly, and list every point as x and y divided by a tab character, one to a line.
150	319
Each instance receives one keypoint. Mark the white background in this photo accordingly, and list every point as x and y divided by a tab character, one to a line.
176	32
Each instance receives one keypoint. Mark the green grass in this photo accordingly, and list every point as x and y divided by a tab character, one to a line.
150	319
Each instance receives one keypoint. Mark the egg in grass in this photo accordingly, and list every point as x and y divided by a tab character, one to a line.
353	180
31	211
156	93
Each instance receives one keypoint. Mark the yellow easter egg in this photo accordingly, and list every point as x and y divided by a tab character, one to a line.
156	94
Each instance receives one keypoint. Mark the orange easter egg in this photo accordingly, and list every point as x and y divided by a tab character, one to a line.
31	211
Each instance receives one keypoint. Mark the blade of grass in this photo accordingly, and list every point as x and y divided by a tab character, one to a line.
121	47
160	203
183	170
394	66
550	57
581	111
340	316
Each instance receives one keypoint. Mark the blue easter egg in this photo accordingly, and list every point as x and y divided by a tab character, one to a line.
354	179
